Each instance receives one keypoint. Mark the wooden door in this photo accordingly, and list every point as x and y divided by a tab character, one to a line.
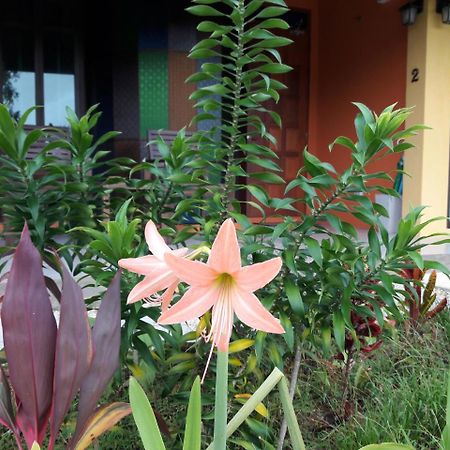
292	107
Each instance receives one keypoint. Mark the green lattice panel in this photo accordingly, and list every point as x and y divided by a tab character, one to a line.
153	91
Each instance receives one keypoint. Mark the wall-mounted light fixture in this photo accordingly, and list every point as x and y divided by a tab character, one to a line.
443	8
410	10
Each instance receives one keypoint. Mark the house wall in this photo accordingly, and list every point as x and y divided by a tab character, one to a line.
429	53
358	53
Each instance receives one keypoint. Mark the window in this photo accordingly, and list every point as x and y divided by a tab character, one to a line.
18	72
40	62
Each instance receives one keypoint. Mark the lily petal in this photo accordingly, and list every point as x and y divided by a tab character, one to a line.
194	303
225	254
166	298
143	265
256	276
194	273
250	311
151	285
183	251
155	241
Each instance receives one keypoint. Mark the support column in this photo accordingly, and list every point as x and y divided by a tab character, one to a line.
428	89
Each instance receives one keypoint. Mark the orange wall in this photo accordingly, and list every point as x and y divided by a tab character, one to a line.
362	57
358	53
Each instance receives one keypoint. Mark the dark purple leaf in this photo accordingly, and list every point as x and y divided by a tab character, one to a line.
106	341
29	330
73	352
53	288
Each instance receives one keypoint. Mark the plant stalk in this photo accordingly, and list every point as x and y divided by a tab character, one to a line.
220	413
17	438
229	177
249	406
292	388
291	419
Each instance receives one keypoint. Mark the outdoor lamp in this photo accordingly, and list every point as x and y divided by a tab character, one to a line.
410	10
443	7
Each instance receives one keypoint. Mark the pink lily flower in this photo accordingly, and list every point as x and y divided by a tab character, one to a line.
158	275
225	286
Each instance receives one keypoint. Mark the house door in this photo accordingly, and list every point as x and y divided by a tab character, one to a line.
292	107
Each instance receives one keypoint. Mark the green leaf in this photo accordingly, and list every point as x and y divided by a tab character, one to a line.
274	68
273	23
339	330
344	142
239	345
258	192
145	418
417	259
374	243
203	10
294	297
268	177
314	250
272	11
192	436
289	330
255	230
446	431
387	446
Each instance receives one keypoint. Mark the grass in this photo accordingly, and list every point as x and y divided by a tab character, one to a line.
399	394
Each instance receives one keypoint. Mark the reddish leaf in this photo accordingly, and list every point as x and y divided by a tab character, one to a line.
106	341
53	288
73	352
29	330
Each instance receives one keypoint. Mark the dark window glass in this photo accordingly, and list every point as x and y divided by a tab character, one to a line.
18	75
59	76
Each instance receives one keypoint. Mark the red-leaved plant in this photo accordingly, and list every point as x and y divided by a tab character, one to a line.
421	299
49	366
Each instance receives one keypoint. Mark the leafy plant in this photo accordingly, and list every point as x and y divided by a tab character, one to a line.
235	84
31	189
160	194
421	297
151	436
48	366
90	170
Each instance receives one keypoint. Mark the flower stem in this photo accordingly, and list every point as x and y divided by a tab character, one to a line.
291	419
220	415
249	406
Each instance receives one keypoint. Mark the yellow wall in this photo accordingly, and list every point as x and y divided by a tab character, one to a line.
428	164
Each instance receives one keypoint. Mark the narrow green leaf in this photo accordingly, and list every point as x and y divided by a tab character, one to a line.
314	250
145	418
272	11
295	434
192	436
294	297
203	10
374	243
417	259
387	446
339	330
274	68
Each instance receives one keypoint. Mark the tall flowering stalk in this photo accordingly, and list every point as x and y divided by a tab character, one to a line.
228	288
223	284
